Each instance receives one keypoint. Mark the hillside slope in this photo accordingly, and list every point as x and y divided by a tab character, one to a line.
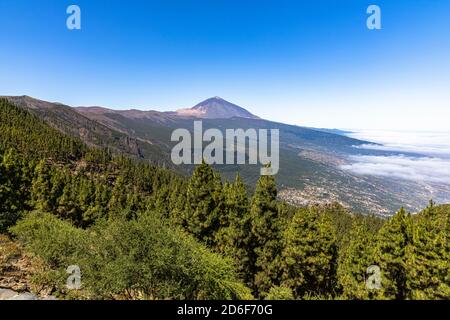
92	132
310	159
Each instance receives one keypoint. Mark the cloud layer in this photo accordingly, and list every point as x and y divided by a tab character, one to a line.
416	169
434	144
432	166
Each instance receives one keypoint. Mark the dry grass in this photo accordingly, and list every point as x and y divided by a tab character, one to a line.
18	270
9	251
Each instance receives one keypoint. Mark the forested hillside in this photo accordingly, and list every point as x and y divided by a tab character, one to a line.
310	159
91	132
138	231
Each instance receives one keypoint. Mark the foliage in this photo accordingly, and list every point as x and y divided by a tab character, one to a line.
354	260
138	258
280	293
142	232
265	242
390	251
428	256
14	178
234	236
204	204
310	254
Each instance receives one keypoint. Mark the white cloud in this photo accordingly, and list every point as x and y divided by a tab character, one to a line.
424	169
434	144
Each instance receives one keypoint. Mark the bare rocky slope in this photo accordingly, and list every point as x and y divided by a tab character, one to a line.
16	271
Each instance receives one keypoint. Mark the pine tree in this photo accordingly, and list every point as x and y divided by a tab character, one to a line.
233	238
265	242
68	205
41	189
354	260
310	254
177	203
99	207
392	241
223	239
203	204
118	200
13	189
428	257
162	203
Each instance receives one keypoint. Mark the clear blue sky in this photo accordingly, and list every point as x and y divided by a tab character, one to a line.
302	62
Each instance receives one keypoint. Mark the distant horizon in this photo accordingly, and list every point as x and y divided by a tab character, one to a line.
162	109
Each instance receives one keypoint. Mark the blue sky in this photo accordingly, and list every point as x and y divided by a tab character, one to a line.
302	62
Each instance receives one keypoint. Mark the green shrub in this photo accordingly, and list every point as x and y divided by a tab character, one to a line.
138	259
57	242
280	293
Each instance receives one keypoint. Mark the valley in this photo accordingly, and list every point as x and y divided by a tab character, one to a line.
310	159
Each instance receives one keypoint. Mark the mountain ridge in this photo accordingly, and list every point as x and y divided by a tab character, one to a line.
212	108
310	158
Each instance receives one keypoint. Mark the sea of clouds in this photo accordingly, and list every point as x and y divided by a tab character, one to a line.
431	164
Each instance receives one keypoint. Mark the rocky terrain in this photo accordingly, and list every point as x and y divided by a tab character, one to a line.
16	272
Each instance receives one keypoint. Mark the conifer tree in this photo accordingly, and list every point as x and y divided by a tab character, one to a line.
203	204
428	257
99	207
354	260
265	242
233	239
310	254
66	206
162	203
86	193
41	189
223	236
392	241
118	200
177	202
13	189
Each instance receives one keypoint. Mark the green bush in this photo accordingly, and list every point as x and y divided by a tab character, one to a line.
53	240
138	259
280	293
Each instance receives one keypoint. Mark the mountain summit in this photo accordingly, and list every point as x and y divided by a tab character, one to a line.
216	108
